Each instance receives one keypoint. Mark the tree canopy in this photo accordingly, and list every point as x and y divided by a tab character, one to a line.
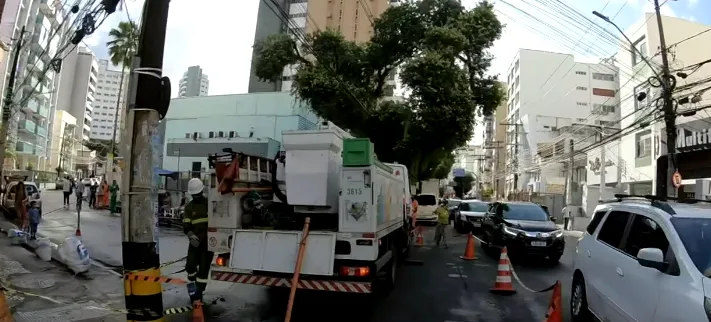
123	43
438	49
102	147
463	184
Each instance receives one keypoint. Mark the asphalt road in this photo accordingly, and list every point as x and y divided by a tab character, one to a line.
443	288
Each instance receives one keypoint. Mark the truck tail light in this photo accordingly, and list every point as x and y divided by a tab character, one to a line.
355	271
222	260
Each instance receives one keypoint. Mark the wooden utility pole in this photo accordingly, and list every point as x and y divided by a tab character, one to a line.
496	146
7	105
515	145
141	147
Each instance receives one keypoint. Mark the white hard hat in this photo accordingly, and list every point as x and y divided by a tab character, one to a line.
195	186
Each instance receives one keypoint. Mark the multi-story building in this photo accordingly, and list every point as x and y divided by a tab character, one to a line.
65	146
109	105
251	123
552	99
638	151
36	77
193	83
77	89
353	18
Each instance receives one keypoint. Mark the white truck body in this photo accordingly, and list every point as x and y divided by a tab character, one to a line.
372	205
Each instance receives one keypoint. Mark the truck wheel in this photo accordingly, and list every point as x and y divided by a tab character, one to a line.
391	273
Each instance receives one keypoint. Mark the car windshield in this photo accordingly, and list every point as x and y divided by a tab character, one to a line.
531	212
695	234
31	189
426	200
453	202
475	206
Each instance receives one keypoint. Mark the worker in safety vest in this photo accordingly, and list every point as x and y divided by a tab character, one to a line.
415	207
195	226
442	213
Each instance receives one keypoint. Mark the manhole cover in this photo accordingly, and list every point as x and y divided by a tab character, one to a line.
33	281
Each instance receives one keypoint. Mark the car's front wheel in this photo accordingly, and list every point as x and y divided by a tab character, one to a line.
578	301
459	226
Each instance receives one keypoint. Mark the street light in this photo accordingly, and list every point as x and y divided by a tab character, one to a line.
639	53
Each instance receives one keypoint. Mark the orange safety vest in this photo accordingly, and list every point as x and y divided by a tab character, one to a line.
415	205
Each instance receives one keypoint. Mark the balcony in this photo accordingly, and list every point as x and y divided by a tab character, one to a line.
47	7
27	126
40	151
24	147
41	131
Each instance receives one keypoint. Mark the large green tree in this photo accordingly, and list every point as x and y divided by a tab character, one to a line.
122	45
441	51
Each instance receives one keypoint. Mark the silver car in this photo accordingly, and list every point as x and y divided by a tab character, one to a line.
469	215
33	193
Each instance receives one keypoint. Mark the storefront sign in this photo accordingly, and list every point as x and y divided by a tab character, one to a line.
697	139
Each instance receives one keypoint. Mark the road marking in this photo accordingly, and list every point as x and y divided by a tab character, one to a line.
457	276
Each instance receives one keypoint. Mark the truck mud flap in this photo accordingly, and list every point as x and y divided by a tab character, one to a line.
316	285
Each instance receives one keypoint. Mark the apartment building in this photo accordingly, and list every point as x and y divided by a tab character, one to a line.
351	17
109	106
193	83
66	144
639	149
77	89
36	78
552	99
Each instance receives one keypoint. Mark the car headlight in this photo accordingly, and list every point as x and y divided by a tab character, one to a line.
557	233
512	231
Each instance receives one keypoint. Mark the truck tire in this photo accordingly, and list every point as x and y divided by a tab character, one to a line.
391	271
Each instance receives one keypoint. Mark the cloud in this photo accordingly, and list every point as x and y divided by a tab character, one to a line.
217	35
692	3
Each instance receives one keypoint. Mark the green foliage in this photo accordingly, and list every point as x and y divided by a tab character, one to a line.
441	50
102	147
123	44
463	184
487	193
30	166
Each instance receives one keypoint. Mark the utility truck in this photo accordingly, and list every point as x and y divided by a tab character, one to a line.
359	210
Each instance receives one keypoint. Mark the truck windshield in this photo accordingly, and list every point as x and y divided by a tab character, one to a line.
695	234
427	200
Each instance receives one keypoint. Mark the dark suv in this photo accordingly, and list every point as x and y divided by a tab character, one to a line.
524	228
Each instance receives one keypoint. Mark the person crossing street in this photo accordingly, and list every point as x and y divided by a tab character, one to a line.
442	213
195	227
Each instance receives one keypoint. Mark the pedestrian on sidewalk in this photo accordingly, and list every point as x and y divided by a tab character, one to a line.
104	192
92	193
114	196
67	189
442	213
35	218
566	216
80	195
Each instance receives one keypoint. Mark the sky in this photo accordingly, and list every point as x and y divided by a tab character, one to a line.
218	34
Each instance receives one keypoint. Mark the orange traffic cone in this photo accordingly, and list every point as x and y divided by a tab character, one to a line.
469	252
198	315
5	314
420	239
503	284
554	313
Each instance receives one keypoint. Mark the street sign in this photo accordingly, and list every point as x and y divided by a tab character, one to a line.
676	179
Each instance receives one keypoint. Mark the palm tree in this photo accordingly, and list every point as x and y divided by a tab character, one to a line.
122	48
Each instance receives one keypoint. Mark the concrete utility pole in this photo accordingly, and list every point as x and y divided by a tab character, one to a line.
495	181
7	106
602	170
668	83
569	181
141	148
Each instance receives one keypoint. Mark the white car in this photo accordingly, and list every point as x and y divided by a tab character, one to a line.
470	215
426	206
644	260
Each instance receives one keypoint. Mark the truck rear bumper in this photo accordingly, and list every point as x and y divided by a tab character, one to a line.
307	284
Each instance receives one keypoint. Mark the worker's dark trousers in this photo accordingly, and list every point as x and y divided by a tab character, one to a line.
197	266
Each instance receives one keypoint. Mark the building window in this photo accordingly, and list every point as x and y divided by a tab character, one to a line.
582	104
641	46
603	92
643	144
641	90
605	77
603	109
606	123
580	73
581	88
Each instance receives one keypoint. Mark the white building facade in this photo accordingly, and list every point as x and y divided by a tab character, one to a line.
77	89
193	83
109	106
641	147
552	99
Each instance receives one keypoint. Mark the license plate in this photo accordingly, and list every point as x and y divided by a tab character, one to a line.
538	243
476	224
